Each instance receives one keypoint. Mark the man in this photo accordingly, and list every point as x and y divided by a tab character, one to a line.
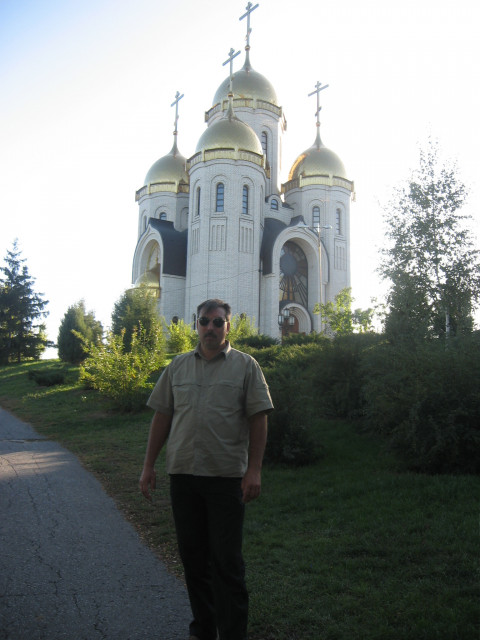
211	404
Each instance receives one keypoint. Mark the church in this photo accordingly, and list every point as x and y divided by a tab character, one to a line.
221	225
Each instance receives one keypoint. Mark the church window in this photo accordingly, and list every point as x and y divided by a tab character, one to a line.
197	207
316	218
274	205
220	202
264	143
338	222
293	274
245	200
163	216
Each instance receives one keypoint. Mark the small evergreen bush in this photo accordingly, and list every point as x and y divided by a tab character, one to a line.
47	378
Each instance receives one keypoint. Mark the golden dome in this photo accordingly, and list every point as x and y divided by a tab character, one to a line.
317	161
247	83
149	278
170	168
229	133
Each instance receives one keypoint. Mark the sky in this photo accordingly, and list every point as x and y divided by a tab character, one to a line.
85	95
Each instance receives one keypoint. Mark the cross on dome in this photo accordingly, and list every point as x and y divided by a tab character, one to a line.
249	9
178	97
231	56
318	88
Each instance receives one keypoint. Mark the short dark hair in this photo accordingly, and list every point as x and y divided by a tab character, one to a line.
215	303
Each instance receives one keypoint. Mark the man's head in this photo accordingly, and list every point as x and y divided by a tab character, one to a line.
213	325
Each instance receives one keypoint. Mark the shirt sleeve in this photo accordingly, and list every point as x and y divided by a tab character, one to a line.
257	394
161	398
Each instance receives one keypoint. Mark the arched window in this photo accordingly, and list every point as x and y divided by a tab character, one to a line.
338	222
274	204
220	203
316	218
245	200
293	274
163	216
197	207
264	142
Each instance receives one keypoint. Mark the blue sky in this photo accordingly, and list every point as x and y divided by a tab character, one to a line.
85	98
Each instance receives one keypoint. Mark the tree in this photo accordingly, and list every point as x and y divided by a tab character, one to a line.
77	321
339	317
431	261
22	336
136	308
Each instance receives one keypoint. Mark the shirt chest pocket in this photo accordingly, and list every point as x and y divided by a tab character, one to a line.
186	394
226	395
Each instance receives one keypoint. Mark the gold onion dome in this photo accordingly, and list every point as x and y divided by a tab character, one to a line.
169	168
149	278
229	133
247	83
317	161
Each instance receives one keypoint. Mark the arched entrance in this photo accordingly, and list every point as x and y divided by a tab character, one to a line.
293	287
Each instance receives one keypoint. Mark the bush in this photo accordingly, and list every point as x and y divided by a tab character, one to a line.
47	378
181	337
121	375
425	399
77	321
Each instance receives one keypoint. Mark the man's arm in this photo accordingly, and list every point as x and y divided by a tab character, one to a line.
159	430
252	480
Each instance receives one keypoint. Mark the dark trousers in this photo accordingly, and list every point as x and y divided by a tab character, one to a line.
208	515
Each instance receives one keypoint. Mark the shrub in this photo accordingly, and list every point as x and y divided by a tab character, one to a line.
181	337
121	375
77	321
426	401
47	378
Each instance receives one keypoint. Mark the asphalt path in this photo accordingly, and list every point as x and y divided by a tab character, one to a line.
71	567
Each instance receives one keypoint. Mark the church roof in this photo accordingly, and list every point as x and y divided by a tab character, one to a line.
271	230
174	247
317	161
229	133
247	83
169	169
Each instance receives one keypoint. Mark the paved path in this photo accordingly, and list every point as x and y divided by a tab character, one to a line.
71	567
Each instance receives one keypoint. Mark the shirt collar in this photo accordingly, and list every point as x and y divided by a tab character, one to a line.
223	353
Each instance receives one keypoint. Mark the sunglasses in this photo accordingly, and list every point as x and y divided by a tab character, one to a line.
217	322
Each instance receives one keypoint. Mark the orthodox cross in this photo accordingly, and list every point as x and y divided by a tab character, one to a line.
318	88
231	56
249	9
178	97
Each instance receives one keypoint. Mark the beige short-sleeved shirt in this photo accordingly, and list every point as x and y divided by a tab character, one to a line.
210	401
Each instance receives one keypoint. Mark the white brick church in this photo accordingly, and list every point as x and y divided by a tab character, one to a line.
220	225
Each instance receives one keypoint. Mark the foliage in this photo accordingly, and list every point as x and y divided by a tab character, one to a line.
181	337
124	375
426	402
431	261
47	378
241	327
136	307
22	336
75	322
339	317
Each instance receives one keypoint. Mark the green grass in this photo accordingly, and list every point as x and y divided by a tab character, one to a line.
349	548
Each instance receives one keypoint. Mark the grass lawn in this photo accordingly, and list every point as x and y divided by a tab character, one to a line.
349	548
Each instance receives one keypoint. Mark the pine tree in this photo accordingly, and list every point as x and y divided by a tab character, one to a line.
70	346
22	336
431	261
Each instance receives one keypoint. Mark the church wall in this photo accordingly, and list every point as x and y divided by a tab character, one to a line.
224	246
153	206
172	298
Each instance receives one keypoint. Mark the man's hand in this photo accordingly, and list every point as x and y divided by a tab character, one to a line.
251	485
148	480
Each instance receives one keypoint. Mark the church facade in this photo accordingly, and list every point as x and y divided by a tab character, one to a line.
221	225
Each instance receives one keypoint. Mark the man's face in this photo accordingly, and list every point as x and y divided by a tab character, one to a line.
212	338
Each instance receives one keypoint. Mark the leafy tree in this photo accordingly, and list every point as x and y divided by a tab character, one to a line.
136	307
77	321
431	261
181	337
339	317
241	327
22	336
121	375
